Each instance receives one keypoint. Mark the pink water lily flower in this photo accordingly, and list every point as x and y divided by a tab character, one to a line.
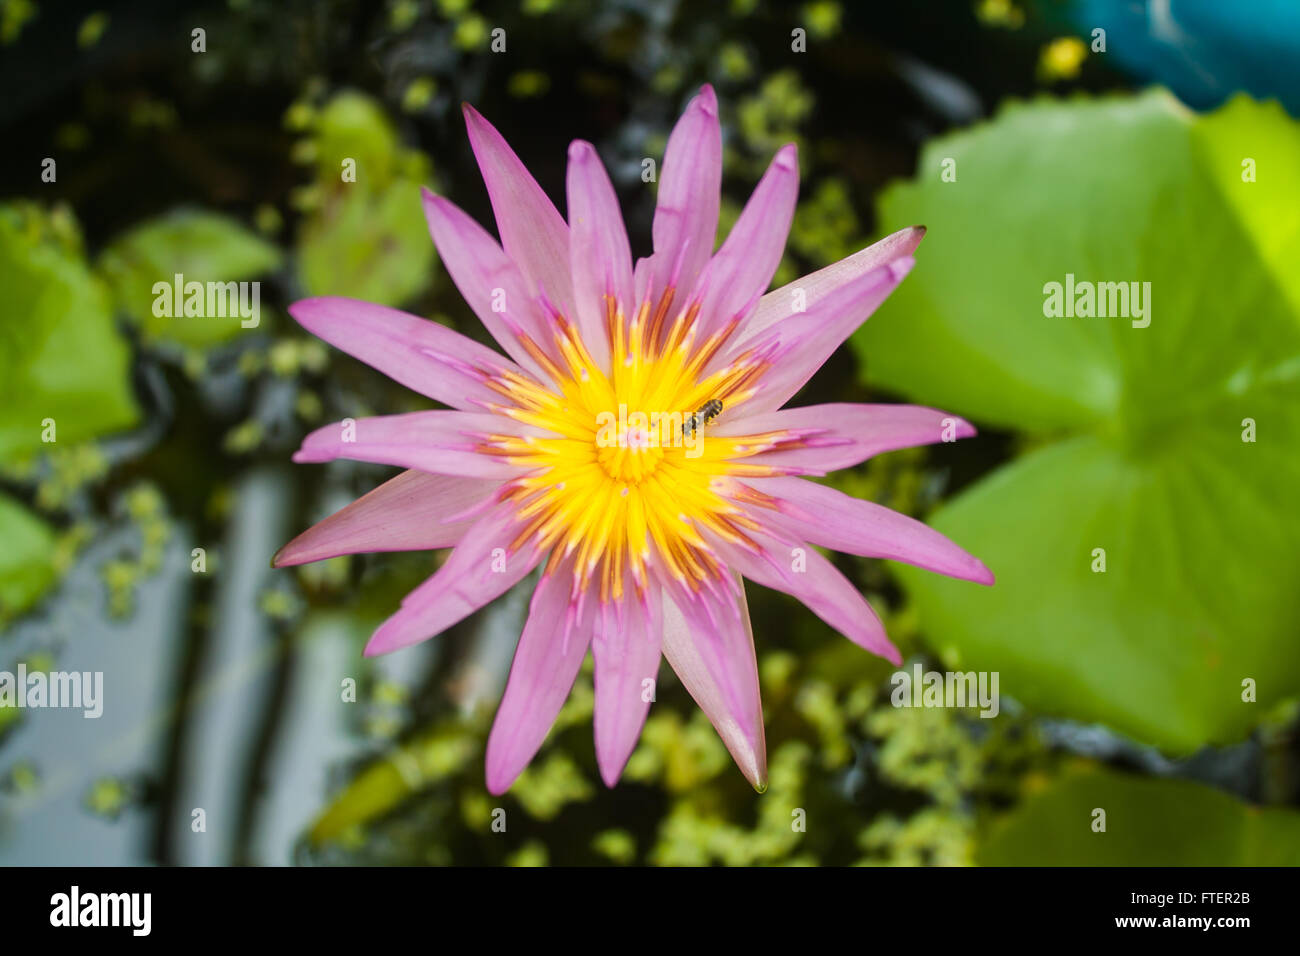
582	453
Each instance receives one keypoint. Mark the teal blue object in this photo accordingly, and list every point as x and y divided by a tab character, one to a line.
1203	50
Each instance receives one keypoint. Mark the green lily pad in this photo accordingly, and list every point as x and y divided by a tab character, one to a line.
1252	150
1148	822
368	244
354	126
366	235
26	560
61	358
1188	634
381	786
200	246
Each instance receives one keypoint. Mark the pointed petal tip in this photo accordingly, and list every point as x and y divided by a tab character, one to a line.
983	575
609	761
787	157
708	100
899	268
319	310
610	776
496	782
964	429
278	559
612	755
499	767
435	205
383	642
756	772
580	151
304	310
750	754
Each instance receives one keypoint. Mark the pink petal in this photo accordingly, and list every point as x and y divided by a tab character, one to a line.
489	281
440	442
532	231
802	572
803	342
842	435
422	355
832	519
780	303
406	513
743	268
598	249
625	645
713	656
642	273
546	663
686	212
479	569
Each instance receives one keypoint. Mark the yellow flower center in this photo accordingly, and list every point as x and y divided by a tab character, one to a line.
623	479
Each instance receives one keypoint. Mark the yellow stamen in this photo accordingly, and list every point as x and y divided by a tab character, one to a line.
618	483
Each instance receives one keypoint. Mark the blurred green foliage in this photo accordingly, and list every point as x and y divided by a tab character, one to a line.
63	380
62	357
1150	451
199	245
27	559
424	800
1093	817
363	234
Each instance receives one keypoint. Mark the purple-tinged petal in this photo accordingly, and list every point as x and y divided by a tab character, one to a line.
642	273
842	435
487	563
598	250
740	273
802	572
412	512
422	355
489	281
832	519
547	661
625	646
532	230
439	442
798	345
713	656
806	292
686	211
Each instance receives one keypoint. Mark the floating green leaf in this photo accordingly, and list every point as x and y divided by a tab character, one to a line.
381	786
365	236
61	359
1252	151
200	246
1152	461
26	560
368	245
1148	822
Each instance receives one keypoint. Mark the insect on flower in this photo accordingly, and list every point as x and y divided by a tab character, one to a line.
642	546
702	416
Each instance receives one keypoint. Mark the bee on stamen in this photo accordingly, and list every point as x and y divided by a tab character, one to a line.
702	416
